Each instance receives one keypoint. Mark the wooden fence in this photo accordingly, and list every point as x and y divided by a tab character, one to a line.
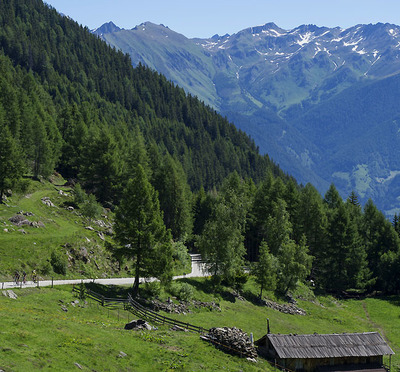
139	310
136	308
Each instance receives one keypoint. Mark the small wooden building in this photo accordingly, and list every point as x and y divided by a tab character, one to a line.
329	352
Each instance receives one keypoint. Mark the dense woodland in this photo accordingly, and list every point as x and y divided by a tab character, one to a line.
171	168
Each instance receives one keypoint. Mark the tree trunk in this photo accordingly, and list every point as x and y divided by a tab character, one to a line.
135	288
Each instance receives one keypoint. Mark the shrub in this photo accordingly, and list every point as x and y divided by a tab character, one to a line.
152	289
79	194
59	263
182	291
185	292
45	268
91	208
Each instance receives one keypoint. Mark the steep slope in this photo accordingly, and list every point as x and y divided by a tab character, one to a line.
302	94
359	141
172	55
87	86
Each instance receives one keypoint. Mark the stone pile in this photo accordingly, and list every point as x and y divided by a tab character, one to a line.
212	306
285	308
232	340
46	200
170	307
182	307
20	220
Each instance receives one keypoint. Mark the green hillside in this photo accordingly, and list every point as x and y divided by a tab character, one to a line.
61	242
38	335
77	88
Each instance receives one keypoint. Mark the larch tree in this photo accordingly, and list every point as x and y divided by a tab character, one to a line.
140	230
11	163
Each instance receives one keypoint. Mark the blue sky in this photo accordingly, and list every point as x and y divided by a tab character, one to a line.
204	18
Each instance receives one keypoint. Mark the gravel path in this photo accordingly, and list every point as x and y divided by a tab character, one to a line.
198	270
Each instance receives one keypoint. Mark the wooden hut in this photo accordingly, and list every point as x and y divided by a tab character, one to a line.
329	352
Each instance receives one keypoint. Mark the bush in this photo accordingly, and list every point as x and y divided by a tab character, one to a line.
240	280
182	260
45	268
59	263
152	289
186	292
182	291
79	194
91	208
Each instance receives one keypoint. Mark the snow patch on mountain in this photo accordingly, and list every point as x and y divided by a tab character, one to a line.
305	39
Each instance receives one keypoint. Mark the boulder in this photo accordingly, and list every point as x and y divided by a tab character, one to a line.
37	224
138	324
46	200
19	220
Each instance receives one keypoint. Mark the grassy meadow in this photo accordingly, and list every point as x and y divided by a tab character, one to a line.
37	334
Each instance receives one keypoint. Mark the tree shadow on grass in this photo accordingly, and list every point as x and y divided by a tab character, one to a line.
392	299
109	291
209	287
252	297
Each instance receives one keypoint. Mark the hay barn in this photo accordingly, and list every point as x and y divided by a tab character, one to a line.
329	352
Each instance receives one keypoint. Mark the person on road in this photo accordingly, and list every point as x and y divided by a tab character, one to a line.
16	277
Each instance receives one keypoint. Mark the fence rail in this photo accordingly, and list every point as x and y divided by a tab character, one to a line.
136	308
155	317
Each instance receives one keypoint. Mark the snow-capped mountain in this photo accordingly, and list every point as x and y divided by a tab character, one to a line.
322	102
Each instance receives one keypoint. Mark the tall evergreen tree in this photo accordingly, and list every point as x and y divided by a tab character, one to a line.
294	264
175	198
11	161
102	166
140	231
381	240
311	222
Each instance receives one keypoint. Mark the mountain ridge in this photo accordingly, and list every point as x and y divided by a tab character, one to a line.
268	80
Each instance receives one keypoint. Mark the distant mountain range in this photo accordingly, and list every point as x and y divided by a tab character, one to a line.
322	102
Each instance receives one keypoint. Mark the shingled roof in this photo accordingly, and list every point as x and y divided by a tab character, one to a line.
328	345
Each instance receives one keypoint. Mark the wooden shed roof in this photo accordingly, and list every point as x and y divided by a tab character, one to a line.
328	345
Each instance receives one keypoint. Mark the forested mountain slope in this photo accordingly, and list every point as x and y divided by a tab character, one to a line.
175	172
283	86
87	97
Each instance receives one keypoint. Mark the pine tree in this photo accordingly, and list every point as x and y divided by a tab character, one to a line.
102	166
332	198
